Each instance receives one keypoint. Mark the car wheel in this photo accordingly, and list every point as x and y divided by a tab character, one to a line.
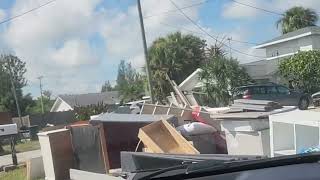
303	103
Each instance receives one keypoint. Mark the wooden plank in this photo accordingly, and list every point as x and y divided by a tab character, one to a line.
161	137
35	169
104	147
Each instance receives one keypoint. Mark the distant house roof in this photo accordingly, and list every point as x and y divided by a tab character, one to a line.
111	97
307	31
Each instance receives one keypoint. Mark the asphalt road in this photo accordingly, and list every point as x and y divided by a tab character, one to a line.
22	157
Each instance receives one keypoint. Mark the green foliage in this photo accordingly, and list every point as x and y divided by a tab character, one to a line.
84	113
178	56
130	83
221	75
35	106
297	18
303	69
17	67
107	87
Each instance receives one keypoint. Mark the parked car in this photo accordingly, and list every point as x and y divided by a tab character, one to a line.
316	99
273	92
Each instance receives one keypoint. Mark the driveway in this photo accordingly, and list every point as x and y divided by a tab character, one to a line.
22	157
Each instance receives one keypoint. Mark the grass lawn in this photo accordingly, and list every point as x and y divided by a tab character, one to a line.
18	174
22	147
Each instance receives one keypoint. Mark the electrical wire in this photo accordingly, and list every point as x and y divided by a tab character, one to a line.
204	31
200	33
175	10
26	12
258	8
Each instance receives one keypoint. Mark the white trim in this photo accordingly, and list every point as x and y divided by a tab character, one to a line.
284	40
283	55
56	102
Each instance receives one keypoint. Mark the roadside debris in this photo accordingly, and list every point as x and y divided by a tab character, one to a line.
161	137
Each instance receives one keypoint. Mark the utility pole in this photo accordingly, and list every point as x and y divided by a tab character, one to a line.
230	53
145	50
41	98
14	89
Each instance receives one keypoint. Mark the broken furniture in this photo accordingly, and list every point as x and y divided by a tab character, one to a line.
161	137
89	148
10	131
247	133
56	149
294	131
182	114
121	132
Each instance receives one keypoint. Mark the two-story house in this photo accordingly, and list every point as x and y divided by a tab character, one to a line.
279	48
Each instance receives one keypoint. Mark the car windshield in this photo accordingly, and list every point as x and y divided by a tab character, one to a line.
134	87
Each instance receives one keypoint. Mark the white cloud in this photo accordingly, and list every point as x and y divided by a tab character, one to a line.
122	30
284	5
2	14
55	40
234	10
74	53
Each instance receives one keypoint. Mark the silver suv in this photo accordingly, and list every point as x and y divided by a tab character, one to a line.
273	92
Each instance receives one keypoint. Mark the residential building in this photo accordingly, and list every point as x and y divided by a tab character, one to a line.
68	102
282	47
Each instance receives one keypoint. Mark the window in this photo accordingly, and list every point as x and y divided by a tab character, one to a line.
283	90
272	90
258	90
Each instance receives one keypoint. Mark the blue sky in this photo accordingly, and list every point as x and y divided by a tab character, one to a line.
77	44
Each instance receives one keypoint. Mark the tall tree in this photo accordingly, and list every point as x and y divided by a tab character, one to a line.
178	56
220	76
35	107
297	18
303	70
17	67
130	83
106	87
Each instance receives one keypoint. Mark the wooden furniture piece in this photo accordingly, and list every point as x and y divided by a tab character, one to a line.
57	153
161	137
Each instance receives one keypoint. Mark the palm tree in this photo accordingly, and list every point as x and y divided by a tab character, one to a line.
297	18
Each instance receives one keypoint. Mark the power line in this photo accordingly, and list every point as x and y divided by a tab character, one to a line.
196	32
175	10
26	12
265	10
258	8
197	25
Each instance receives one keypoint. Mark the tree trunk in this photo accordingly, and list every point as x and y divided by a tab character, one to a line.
1	148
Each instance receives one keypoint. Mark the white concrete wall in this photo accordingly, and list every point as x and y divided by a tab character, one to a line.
293	46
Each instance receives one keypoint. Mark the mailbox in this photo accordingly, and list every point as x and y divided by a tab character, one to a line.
8	129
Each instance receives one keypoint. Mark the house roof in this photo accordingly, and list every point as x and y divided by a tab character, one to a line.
307	31
111	97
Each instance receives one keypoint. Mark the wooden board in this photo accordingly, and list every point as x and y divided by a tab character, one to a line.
161	137
35	169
